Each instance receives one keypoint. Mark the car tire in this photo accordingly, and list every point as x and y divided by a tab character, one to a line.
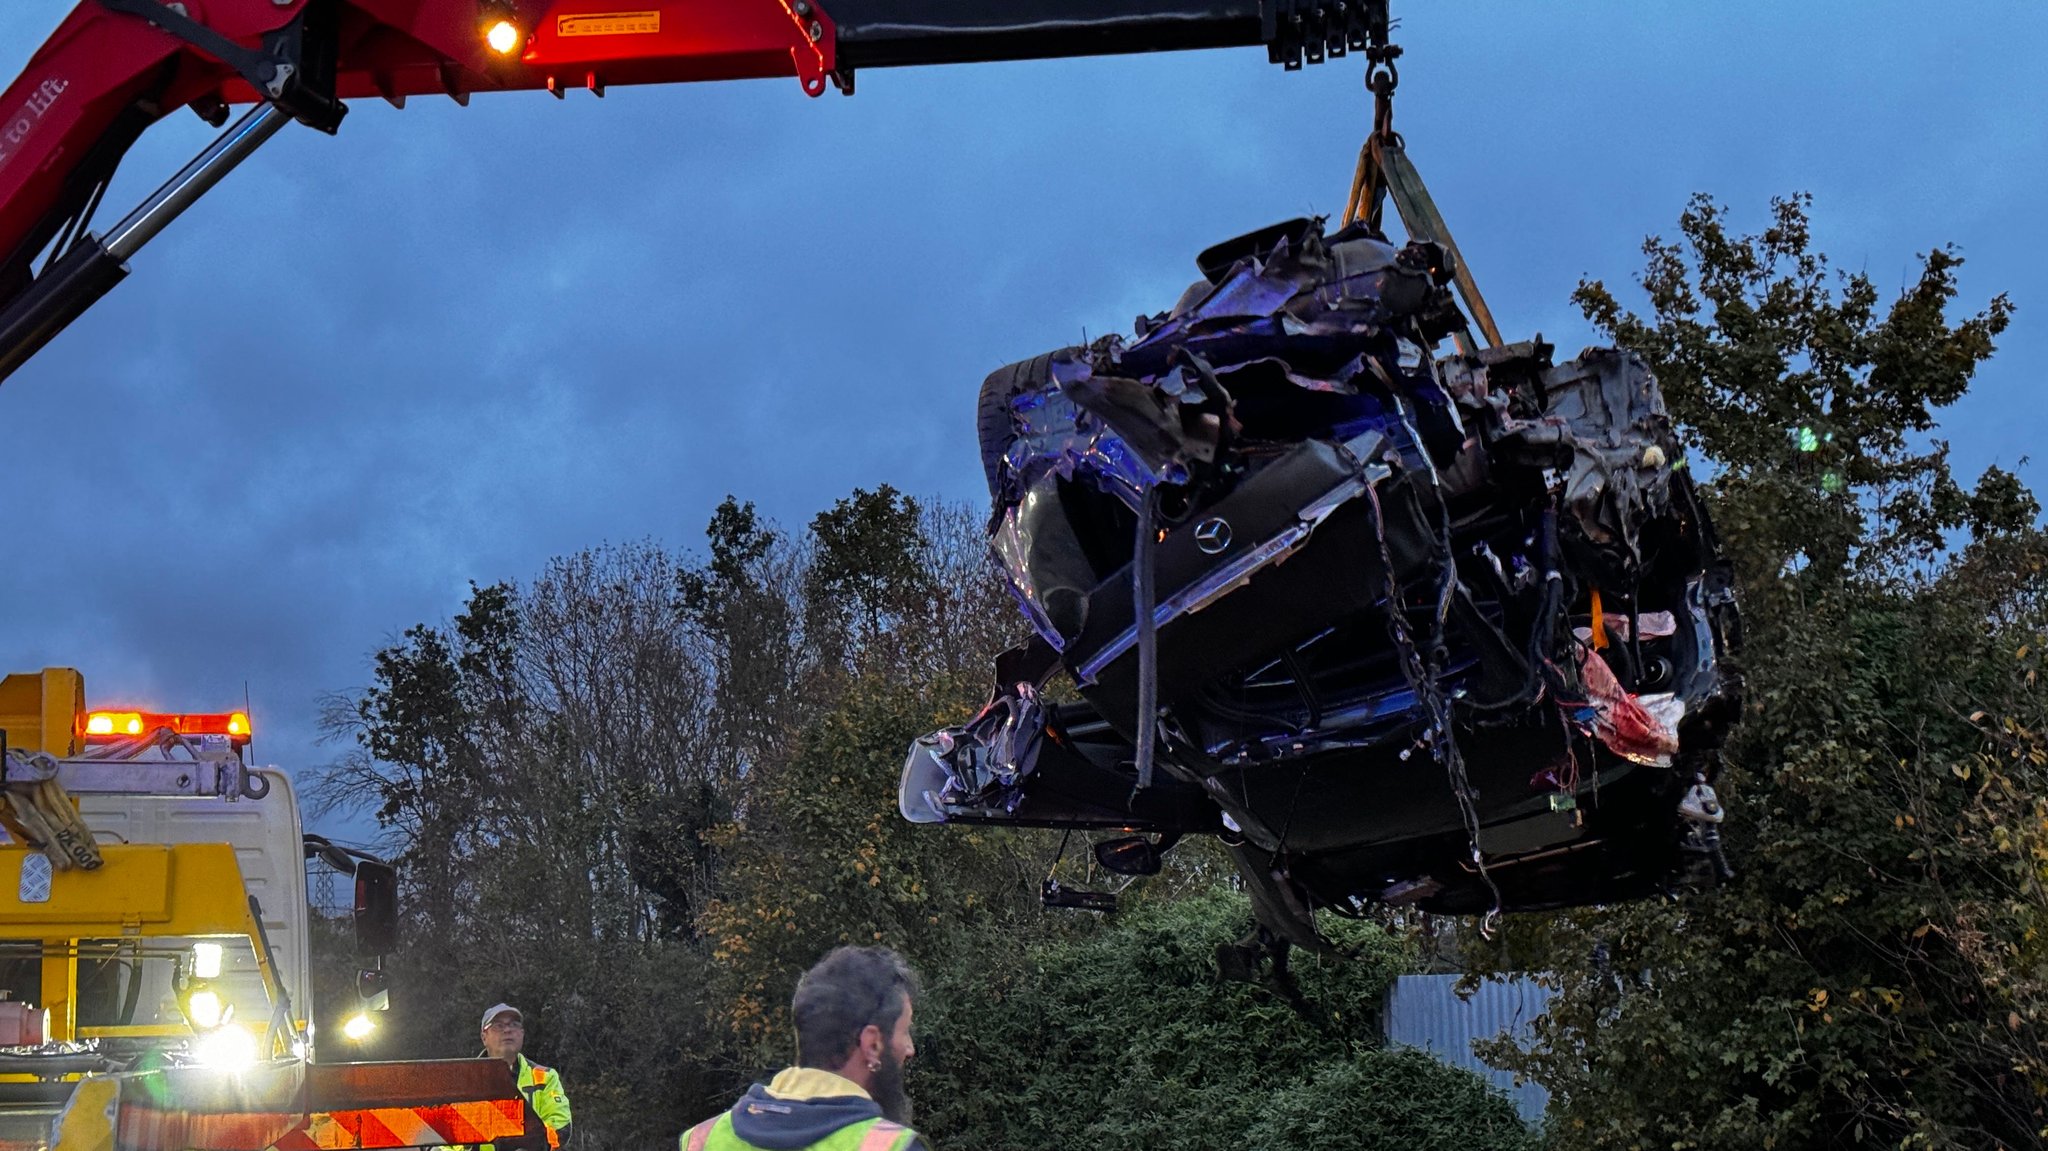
992	417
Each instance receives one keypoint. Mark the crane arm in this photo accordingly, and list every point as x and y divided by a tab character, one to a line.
115	67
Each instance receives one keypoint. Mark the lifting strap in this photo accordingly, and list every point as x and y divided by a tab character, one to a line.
1384	169
39	814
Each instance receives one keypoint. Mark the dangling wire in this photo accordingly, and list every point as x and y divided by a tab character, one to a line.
1424	675
1054	870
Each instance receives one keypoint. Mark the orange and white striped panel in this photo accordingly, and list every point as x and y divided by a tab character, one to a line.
390	1127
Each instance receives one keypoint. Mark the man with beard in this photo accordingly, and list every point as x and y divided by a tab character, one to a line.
852	1013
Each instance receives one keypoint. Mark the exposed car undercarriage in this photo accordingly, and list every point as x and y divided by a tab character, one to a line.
1445	631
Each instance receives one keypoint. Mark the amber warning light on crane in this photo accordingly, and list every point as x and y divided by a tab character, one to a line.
503	37
499	22
101	725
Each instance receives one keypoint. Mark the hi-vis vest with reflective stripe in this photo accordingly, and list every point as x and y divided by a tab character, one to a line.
542	1093
542	1087
868	1135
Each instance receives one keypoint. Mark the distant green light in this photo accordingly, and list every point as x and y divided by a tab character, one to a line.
1809	440
1831	482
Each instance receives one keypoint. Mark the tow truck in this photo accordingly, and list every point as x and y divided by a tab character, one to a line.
154	939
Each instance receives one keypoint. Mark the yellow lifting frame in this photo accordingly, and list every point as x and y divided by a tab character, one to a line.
44	711
142	890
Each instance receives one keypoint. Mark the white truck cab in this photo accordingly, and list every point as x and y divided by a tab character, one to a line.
154	938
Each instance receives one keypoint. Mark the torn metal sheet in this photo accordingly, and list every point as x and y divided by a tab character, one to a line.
1373	579
1601	425
1057	434
976	764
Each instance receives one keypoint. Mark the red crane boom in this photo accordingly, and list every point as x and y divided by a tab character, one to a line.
114	67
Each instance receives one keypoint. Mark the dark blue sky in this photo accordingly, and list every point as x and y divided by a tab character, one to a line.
451	343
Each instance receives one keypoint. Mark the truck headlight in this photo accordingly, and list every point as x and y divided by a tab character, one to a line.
228	1048
203	1008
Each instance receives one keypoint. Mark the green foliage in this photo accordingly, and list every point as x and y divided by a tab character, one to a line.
1380	1099
1996	923
1862	981
867	572
867	551
822	858
639	796
1126	1036
1810	402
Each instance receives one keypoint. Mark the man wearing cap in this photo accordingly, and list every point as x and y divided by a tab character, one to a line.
504	1032
852	1016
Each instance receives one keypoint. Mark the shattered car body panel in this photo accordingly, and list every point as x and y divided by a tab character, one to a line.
1441	631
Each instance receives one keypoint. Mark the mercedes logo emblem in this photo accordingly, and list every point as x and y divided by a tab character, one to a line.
1212	535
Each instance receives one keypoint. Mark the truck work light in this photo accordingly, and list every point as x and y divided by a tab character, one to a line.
228	1048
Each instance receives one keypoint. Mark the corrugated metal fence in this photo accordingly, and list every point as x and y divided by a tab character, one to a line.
1424	1012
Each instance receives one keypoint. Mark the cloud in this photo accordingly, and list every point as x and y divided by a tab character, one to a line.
450	343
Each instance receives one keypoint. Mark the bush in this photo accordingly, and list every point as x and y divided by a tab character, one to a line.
1127	1037
1401	1099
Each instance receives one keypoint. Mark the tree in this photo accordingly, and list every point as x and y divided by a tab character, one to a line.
744	614
540	766
552	763
821	858
652	789
1864	979
865	573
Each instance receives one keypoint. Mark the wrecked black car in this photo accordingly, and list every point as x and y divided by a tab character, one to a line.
1444	631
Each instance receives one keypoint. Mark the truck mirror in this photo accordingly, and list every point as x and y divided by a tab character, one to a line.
376	908
373	990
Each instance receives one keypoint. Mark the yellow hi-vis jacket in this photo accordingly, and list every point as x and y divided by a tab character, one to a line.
542	1087
803	1107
